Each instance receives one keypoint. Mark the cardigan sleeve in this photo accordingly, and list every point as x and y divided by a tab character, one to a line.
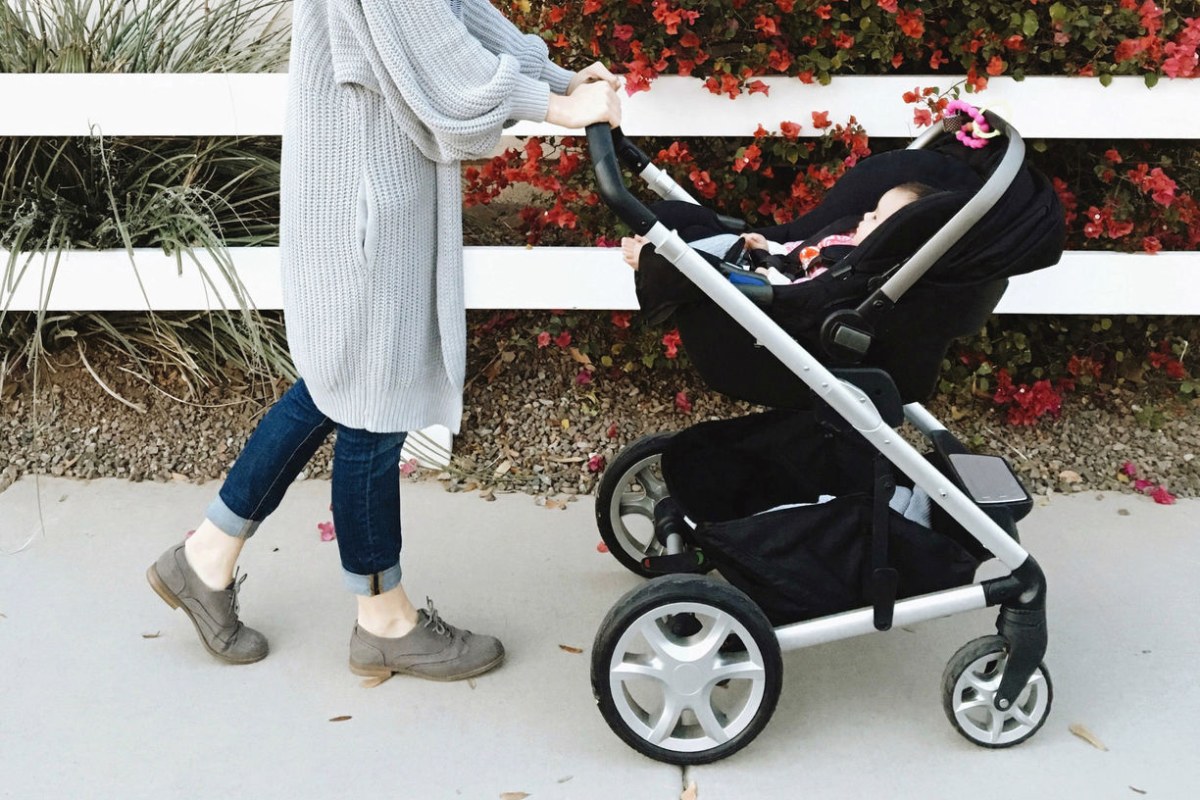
498	34
457	90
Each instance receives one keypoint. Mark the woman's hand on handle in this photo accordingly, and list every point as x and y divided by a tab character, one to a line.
596	72
587	104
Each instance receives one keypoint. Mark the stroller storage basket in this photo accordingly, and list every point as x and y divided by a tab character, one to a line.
759	488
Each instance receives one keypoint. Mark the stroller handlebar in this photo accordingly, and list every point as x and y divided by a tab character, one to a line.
603	141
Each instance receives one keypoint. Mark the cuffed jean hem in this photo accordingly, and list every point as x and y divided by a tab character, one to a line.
230	523
373	584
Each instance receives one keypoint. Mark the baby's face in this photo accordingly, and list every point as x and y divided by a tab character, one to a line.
892	201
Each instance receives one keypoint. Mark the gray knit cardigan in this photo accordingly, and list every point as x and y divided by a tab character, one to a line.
385	97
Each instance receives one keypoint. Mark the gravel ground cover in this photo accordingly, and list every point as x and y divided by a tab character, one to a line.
531	428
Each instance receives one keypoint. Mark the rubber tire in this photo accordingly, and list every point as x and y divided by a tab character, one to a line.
967	655
614	478
664	590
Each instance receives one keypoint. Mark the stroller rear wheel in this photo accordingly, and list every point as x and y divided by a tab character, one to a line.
630	490
969	685
686	693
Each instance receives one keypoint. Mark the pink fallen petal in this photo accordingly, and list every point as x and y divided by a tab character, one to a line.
1129	469
188	535
409	467
327	532
602	548
1162	496
1141	484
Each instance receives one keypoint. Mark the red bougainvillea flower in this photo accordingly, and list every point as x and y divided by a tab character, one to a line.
889	6
1151	244
821	119
790	130
704	183
620	319
682	404
1175	370
543	339
996	65
595	463
911	23
327	532
583	377
563	339
937	59
612	431
1129	469
671	342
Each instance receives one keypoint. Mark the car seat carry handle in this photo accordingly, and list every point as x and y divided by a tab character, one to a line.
948	235
602	139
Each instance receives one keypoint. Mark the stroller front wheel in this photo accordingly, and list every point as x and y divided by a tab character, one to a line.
686	670
630	490
969	685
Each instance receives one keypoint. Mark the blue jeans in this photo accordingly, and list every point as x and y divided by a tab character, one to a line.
366	486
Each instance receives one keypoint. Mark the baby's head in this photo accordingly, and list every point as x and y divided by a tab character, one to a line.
892	201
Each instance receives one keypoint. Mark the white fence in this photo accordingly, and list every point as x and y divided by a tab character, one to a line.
592	278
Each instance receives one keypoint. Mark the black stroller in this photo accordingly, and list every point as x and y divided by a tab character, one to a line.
824	522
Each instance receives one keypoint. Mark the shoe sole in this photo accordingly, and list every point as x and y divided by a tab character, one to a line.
172	599
387	672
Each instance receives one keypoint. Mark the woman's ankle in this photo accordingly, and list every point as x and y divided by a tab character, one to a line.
388	615
213	555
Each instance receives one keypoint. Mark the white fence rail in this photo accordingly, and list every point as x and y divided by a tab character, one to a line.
215	104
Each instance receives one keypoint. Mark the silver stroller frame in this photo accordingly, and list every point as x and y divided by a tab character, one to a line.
998	692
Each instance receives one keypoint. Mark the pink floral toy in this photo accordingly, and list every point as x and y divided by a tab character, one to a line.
974	133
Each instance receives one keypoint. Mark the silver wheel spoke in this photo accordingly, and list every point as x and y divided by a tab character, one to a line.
737	670
978	702
1021	717
715	637
707	718
997	726
635	669
636	503
667	719
981	684
655	488
657	640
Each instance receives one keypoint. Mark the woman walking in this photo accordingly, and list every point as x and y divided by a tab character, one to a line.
385	98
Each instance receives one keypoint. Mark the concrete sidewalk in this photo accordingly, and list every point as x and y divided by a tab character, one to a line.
107	694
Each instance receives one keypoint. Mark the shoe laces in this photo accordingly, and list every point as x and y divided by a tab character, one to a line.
434	621
234	586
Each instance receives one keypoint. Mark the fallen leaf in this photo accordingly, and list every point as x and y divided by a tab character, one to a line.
513	795
371	683
565	778
3	615
489	495
471	682
554	504
1123	512
569	649
1087	736
1070	476
154	635
690	793
342	718
580	357
179	476
1139	791
504	467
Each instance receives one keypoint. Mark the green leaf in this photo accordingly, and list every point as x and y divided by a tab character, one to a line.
1030	27
1106	79
1151	79
1058	12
